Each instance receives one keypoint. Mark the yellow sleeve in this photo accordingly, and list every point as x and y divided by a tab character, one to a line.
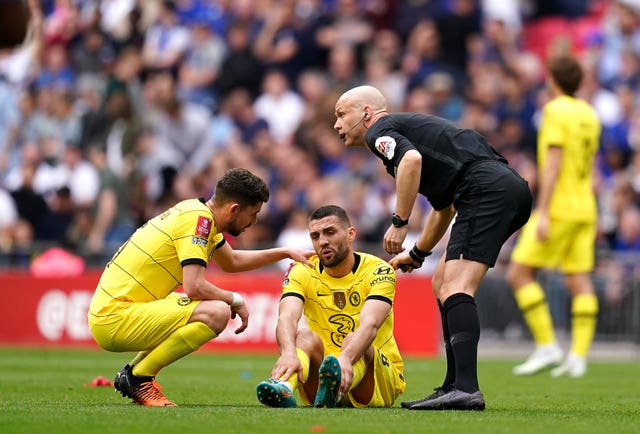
295	281
382	282
194	237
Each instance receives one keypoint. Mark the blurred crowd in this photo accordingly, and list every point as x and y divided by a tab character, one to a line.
113	110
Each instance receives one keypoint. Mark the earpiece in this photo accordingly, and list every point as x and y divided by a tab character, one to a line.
366	115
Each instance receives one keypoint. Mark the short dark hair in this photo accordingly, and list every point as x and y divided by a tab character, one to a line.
566	72
241	186
330	210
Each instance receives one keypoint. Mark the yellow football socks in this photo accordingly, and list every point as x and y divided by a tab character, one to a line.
138	358
533	304
359	369
183	341
584	314
305	362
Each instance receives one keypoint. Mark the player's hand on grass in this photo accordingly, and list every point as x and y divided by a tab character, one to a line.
243	313
287	365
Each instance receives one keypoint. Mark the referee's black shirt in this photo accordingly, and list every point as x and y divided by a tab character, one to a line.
446	151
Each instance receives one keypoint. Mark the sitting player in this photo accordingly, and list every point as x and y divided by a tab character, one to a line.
348	355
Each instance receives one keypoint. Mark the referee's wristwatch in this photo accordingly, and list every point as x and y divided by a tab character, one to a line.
397	221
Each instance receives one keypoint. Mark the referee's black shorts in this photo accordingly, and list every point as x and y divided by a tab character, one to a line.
492	201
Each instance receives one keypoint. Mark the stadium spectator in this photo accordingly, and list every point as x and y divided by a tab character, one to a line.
56	71
200	67
350	363
165	41
280	106
276	44
112	219
93	54
240	68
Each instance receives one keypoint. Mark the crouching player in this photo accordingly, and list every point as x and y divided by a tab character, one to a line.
347	356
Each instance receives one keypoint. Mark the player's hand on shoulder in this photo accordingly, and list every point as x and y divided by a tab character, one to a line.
302	256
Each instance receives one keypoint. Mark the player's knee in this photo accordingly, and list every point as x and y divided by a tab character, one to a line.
308	341
215	314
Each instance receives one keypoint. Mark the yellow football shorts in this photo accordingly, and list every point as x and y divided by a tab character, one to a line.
570	246
141	326
389	384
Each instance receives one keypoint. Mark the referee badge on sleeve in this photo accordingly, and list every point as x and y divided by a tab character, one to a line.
386	146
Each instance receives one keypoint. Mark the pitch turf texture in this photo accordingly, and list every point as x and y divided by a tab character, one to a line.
43	391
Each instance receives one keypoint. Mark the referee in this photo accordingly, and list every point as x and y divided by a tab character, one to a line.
462	176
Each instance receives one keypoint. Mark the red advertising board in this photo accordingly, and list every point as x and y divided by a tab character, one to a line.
53	312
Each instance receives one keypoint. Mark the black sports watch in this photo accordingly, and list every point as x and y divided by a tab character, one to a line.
397	221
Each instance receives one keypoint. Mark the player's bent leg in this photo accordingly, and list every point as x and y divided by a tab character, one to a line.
363	384
387	383
182	342
309	346
138	382
330	375
214	313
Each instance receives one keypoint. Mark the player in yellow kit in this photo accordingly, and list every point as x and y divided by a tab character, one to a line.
347	356
134	307
562	229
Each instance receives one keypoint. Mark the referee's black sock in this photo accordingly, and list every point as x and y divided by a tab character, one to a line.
450	376
464	330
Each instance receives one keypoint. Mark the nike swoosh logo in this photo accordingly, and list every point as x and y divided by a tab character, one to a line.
319	294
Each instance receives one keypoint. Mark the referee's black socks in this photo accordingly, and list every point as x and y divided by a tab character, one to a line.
464	330
450	376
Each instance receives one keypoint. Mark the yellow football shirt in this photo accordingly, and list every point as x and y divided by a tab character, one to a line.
573	125
148	266
332	305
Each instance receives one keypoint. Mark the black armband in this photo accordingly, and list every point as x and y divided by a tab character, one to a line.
417	259
419	253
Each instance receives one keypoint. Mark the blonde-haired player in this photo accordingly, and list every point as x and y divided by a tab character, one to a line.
562	229
347	356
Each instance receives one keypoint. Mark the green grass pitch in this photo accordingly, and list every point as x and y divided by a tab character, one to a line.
43	391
